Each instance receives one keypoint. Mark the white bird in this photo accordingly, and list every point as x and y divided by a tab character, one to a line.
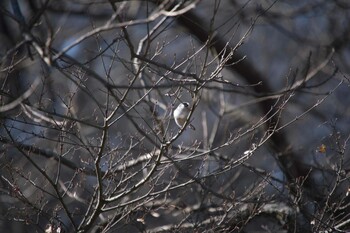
181	113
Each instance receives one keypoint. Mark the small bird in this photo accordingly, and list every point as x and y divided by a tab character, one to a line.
181	113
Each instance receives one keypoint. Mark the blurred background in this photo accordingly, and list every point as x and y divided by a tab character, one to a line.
88	142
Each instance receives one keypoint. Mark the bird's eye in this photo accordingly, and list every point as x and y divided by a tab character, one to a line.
186	104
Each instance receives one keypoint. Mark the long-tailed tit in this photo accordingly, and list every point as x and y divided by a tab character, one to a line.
181	114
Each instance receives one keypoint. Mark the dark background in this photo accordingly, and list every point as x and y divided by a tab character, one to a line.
87	138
